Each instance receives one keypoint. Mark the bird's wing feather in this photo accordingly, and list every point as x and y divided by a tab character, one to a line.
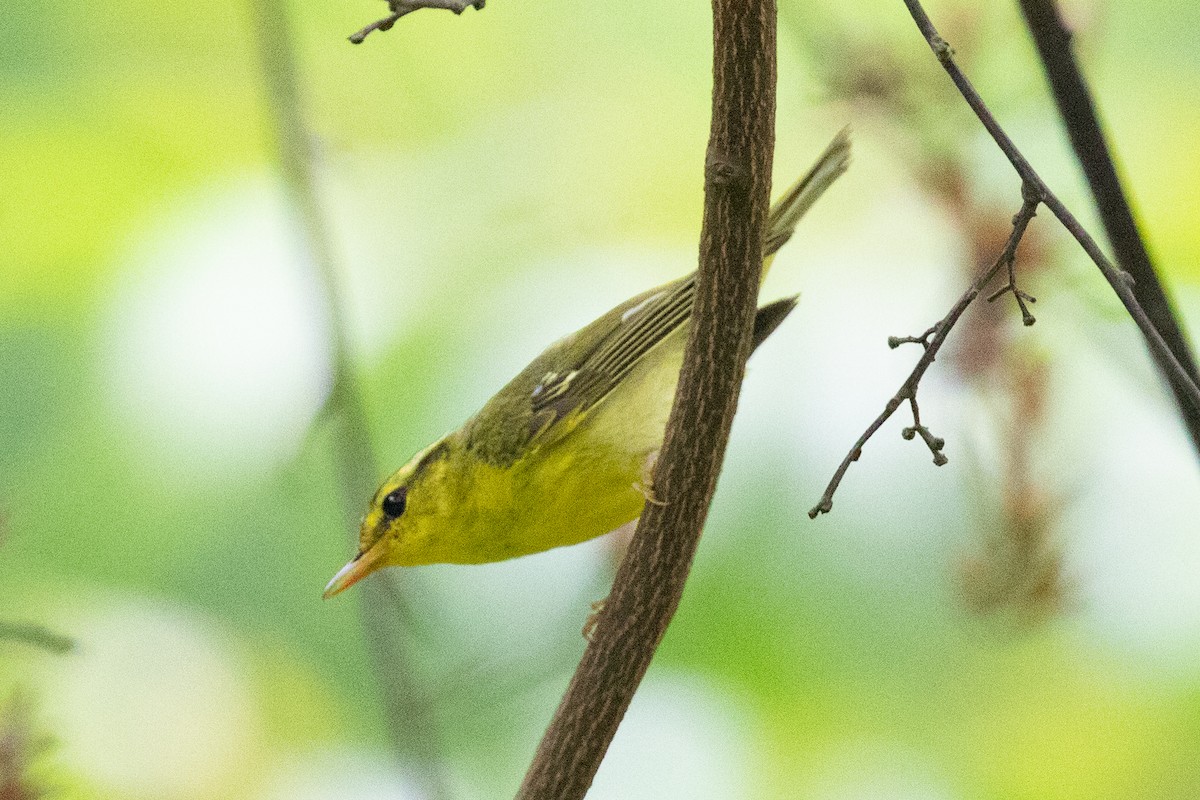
596	371
542	402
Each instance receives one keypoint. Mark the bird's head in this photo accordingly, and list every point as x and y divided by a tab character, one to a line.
403	522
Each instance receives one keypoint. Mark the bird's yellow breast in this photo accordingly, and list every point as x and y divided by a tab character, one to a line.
588	482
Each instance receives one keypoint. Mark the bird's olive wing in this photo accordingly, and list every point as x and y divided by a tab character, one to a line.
544	400
634	329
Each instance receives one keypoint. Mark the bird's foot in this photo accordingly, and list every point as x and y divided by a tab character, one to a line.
647	492
645	486
589	626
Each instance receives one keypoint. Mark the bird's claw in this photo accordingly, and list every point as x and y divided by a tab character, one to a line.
589	626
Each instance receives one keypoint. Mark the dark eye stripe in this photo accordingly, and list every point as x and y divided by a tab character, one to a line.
393	505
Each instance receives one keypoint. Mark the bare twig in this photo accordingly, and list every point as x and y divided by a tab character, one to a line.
410	722
1035	191
1120	281
932	341
1082	123
650	580
36	636
402	8
1022	297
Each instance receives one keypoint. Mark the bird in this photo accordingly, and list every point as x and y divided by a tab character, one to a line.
565	451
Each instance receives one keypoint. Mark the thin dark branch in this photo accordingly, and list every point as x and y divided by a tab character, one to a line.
402	8
1074	101
36	636
1120	281
932	341
650	580
409	720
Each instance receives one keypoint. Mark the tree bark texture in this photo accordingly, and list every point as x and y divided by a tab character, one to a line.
650	580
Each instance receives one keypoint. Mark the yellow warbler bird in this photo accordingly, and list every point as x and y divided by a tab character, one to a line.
564	452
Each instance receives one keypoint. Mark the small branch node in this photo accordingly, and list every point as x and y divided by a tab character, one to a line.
1033	195
1020	296
934	443
923	339
941	48
1027	319
720	170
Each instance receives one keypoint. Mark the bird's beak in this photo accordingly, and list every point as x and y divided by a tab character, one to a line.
360	567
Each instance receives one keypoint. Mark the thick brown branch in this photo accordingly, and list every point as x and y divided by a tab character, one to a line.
1120	281
932	340
1078	112
402	8
650	580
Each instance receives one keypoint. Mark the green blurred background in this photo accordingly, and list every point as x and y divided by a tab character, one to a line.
1023	623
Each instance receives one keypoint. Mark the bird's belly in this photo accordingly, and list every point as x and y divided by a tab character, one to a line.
584	500
564	496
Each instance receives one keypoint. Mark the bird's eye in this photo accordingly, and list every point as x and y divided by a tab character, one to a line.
393	504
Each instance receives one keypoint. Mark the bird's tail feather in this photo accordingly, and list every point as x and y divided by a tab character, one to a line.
770	316
787	210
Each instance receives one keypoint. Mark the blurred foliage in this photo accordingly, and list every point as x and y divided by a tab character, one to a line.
493	181
20	749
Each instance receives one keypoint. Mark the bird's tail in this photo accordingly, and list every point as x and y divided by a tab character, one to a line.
796	201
